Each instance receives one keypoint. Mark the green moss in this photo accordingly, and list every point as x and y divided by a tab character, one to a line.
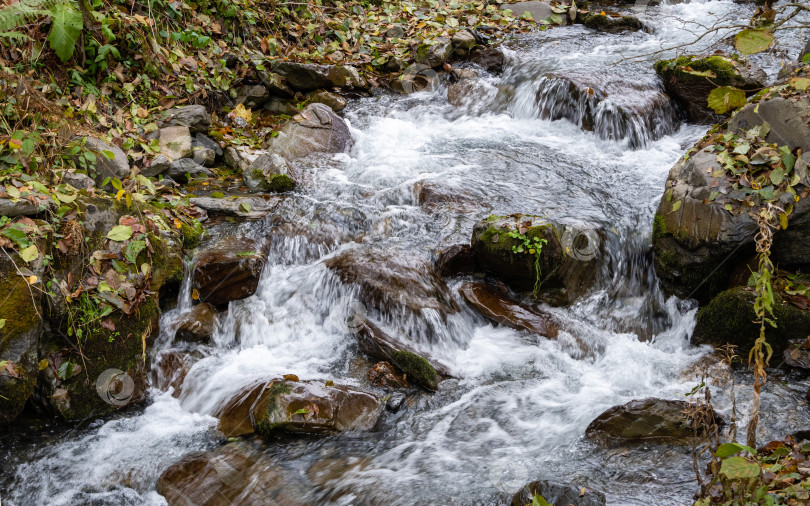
192	234
280	183
723	67
417	369
729	318
659	227
264	427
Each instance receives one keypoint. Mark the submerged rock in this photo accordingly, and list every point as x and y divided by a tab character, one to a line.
686	80
375	343
648	420
496	305
228	270
456	260
391	281
315	130
169	371
382	374
198	324
567	262
281	405
490	59
558	494
729	318
236	473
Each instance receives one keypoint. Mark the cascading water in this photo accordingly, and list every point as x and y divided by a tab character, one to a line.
515	400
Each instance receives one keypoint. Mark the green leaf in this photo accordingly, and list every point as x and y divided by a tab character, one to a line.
120	233
806	58
302	411
799	83
677	205
539	500
217	195
29	254
66	25
65	370
2	322
18	236
245	207
739	468
726	98
753	41
729	449
133	249
777	176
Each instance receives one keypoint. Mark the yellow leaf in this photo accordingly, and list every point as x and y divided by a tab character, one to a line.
43	364
142	113
195	294
119	195
177	223
240	112
783	221
31	279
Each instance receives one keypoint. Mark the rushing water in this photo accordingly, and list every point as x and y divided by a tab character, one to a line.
514	398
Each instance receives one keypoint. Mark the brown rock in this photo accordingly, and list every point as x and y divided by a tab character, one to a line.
169	372
198	324
233	474
649	420
383	374
229	270
497	306
455	260
292	406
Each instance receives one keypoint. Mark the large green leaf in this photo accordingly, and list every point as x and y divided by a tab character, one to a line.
66	25
729	449
726	98
739	468
120	233
753	41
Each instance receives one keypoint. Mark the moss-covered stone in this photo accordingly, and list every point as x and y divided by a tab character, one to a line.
690	79
605	23
659	228
20	311
280	183
729	318
417	369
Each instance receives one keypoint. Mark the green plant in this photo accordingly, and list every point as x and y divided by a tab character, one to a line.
66	23
530	246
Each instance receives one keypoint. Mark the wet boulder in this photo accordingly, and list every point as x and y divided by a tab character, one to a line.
393	281
690	79
490	59
195	117
610	24
456	260
434	53
375	343
198	324
555	262
237	473
20	314
559	494
228	270
729	318
269	173
186	168
282	405
169	371
603	105
463	40
496	305
648	420
316	129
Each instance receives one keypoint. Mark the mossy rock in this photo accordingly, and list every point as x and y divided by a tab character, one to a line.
610	24
93	391
729	318
416	369
20	311
690	79
564	275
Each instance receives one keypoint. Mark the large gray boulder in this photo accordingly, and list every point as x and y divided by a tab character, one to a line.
111	161
787	119
310	76
538	10
315	130
195	117
175	142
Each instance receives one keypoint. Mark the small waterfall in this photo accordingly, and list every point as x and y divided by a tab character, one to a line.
618	110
